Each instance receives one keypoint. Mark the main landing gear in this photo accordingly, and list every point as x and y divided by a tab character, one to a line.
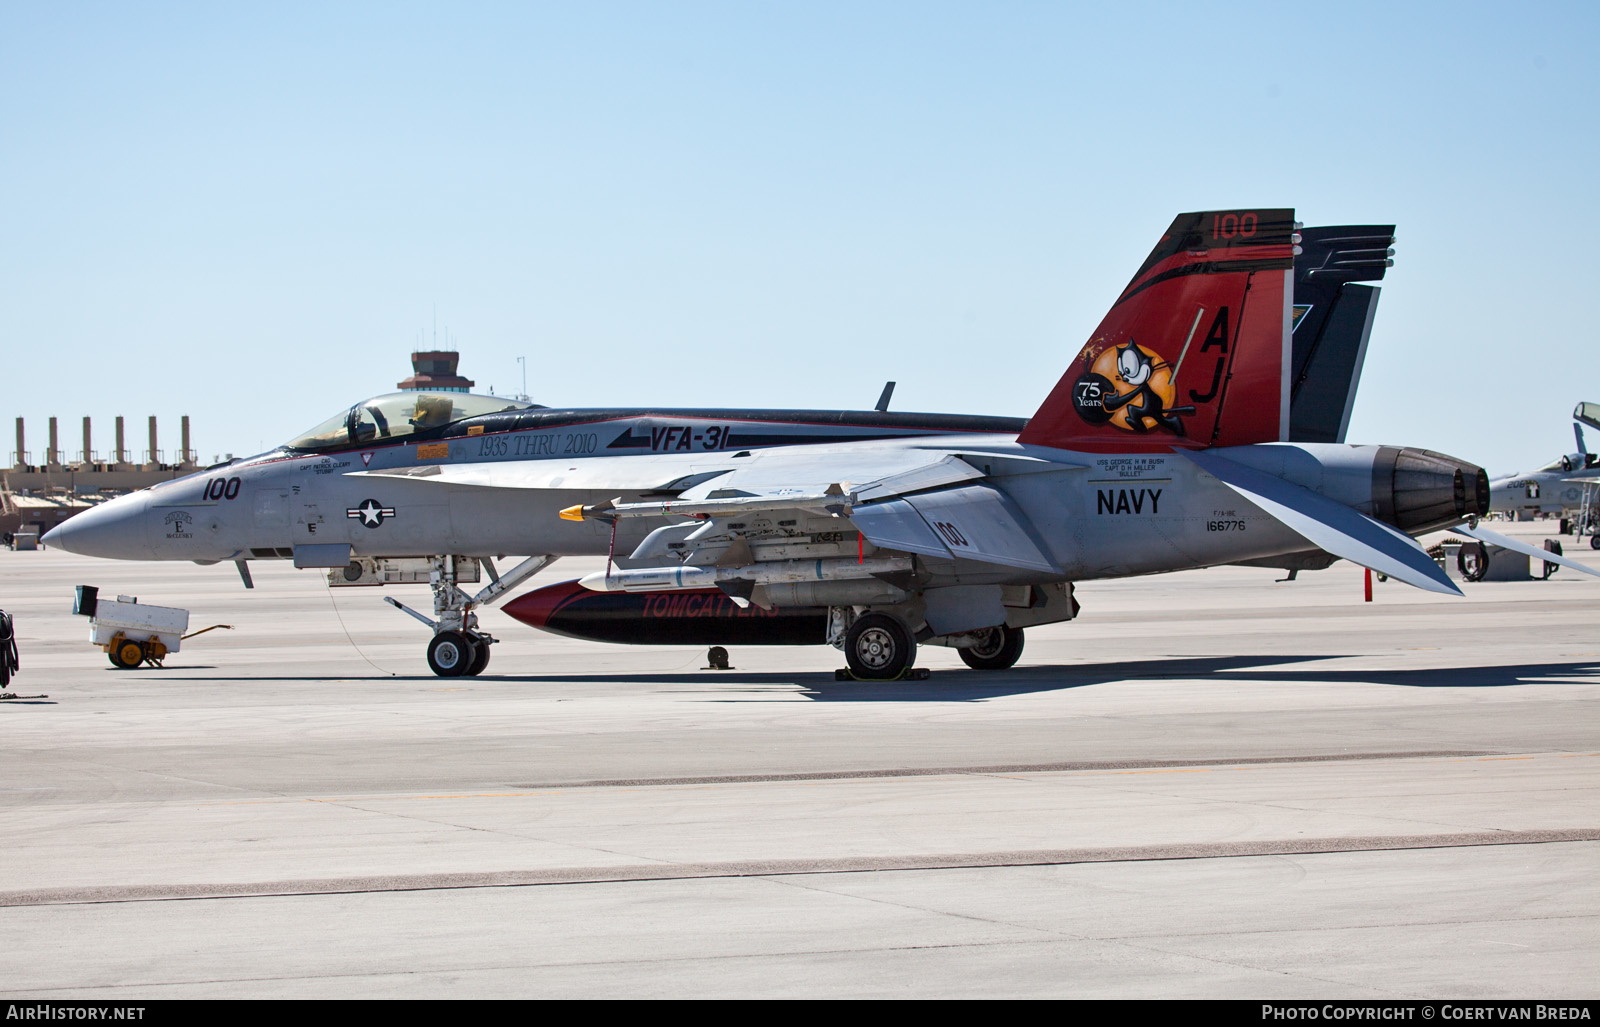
879	647
996	649
459	648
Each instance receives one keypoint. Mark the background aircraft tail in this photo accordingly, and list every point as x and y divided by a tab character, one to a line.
1332	320
1196	350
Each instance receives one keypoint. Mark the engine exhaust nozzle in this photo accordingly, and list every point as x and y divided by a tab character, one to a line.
1417	490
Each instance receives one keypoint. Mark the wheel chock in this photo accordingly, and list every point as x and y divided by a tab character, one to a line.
909	674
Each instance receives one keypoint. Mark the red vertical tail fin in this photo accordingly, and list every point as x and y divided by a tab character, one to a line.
1195	352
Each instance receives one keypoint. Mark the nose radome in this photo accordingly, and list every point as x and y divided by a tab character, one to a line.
114	530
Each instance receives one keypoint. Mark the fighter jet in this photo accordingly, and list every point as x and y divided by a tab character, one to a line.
435	487
1168	444
1568	486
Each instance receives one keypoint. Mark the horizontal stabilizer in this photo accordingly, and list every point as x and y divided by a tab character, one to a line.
1331	526
1497	539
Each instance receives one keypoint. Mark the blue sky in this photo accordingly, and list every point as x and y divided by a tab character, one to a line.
252	214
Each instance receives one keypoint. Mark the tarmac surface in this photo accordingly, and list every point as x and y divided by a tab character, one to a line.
1210	785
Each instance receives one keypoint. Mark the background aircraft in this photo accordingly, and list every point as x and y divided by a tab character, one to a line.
1559	487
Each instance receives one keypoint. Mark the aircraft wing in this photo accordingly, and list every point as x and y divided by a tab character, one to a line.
872	472
928	501
656	472
1331	526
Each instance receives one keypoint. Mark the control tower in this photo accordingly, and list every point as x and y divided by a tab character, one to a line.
435	371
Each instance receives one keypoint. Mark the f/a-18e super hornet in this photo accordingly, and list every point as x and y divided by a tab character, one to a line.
1176	440
1568	485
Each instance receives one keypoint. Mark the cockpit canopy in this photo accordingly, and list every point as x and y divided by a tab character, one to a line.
1573	462
389	418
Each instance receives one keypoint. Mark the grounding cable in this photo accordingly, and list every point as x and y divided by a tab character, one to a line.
352	641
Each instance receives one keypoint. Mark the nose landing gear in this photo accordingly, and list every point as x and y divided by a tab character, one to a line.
458	648
454	654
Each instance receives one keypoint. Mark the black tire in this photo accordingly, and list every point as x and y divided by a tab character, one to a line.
1594	541
878	647
450	654
481	659
1472	560
1000	648
127	654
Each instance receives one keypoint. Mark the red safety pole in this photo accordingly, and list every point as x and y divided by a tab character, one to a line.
1369	584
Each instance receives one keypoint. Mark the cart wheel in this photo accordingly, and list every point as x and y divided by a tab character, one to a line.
127	654
1594	541
450	654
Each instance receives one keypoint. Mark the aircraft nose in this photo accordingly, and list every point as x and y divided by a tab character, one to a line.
115	529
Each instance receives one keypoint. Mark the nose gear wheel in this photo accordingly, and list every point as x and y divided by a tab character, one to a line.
451	654
480	645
